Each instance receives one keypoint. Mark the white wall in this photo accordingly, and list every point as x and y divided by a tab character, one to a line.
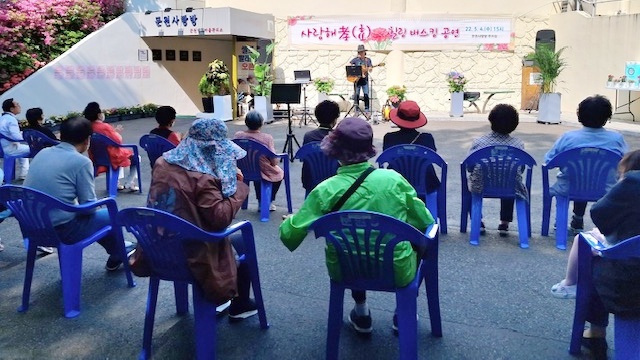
596	47
116	45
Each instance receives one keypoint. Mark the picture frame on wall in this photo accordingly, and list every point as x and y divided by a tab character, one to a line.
143	55
170	55
156	54
184	55
196	56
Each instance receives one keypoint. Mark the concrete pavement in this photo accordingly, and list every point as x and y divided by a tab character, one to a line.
495	298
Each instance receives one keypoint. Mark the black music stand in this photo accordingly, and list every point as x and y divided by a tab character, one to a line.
355	71
287	94
304	77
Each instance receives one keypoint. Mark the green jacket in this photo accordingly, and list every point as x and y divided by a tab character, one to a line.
384	191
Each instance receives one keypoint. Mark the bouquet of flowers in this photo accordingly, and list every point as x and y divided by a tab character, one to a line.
456	81
324	84
396	93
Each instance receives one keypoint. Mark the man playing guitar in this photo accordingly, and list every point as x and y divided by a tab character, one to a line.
363	81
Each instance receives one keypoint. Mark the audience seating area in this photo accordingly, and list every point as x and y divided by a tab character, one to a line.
162	237
32	210
99	149
250	167
155	146
357	234
500	167
9	162
627	331
587	170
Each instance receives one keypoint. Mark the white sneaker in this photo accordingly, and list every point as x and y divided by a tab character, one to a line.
562	291
221	308
1	245
45	250
272	207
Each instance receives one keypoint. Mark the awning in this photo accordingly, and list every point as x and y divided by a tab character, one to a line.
217	22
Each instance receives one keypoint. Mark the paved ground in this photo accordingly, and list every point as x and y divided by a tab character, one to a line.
495	297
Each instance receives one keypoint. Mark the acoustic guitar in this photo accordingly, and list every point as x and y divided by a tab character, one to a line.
354	78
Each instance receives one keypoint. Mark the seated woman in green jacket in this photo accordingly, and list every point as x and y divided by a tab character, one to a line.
384	191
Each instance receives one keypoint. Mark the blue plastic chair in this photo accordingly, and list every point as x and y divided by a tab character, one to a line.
500	166
98	148
627	331
9	162
319	165
162	236
250	167
31	208
411	161
587	170
37	141
155	146
367	264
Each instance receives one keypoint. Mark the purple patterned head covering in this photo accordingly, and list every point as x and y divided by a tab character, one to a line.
207	150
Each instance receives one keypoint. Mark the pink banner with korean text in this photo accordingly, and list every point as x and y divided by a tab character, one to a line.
101	72
384	34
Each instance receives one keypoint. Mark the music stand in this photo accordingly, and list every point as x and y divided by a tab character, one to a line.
354	71
304	77
287	94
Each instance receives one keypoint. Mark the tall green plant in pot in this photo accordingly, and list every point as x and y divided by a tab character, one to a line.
214	82
263	74
551	64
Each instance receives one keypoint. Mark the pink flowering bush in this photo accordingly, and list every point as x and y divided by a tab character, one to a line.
34	32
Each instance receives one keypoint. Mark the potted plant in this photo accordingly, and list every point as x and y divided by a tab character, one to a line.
214	88
149	109
456	82
396	94
324	86
263	81
551	65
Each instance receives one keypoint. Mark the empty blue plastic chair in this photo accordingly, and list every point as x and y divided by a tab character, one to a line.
319	166
9	162
627	331
37	141
31	208
366	263
500	166
412	161
98	148
587	170
155	146
250	167
162	237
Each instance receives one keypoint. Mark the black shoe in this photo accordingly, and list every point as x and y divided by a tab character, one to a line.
241	309
577	225
113	262
483	230
503	230
361	324
597	346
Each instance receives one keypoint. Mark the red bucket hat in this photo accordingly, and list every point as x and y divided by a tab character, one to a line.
408	115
